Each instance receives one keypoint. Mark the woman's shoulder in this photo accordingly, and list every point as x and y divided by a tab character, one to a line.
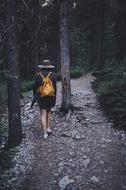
51	74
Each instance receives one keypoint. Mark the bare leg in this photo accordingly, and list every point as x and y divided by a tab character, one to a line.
43	119
48	119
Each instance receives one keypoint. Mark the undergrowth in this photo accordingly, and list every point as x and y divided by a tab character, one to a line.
3	130
110	88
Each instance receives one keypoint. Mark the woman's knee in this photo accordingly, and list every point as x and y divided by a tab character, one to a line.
43	114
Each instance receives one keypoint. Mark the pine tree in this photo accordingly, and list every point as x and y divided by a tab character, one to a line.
15	131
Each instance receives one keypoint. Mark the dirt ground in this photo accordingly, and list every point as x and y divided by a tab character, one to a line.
85	151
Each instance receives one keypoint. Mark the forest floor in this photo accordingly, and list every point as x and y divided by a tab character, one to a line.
84	153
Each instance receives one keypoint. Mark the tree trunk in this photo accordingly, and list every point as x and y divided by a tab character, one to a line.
101	35
113	4
15	132
65	56
35	27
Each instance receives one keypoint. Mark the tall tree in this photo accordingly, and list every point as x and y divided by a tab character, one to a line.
101	16
15	132
65	56
120	29
29	27
35	28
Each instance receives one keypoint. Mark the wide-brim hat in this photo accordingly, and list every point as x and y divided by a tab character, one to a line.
46	64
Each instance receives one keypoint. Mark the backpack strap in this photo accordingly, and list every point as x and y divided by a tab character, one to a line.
49	74
41	75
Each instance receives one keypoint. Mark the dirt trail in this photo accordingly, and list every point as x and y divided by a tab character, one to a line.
86	149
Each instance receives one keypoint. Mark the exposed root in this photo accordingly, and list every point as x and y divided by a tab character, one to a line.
68	115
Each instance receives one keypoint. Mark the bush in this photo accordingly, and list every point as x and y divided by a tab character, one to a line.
3	130
110	87
74	73
3	92
27	86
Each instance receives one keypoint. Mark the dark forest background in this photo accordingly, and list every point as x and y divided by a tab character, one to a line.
97	31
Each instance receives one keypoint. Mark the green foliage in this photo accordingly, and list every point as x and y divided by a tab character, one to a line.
3	130
74	73
110	87
27	85
3	91
79	48
58	76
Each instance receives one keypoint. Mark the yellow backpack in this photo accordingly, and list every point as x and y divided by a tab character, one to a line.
47	88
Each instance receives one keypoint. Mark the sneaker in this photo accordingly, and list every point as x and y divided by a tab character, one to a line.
45	136
49	130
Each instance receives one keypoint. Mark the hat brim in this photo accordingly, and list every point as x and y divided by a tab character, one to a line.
46	66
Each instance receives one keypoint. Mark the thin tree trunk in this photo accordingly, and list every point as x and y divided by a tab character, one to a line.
15	132
65	56
101	35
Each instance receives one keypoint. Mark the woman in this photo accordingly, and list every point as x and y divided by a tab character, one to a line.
45	102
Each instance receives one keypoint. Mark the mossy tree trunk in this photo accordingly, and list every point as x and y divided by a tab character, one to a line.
65	56
15	131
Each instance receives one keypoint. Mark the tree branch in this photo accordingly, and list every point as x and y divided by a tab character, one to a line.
38	26
36	33
25	4
3	35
